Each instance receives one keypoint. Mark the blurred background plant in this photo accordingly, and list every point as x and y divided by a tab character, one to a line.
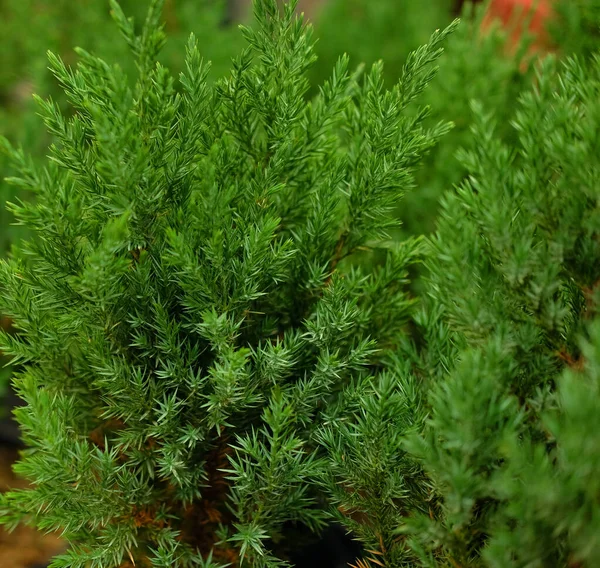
371	30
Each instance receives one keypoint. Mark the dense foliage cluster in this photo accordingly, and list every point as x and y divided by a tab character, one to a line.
189	316
30	28
219	345
58	26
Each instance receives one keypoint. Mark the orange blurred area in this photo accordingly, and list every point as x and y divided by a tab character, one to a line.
522	16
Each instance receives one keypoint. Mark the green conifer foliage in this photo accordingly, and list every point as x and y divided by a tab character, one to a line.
29	28
514	272
189	315
59	25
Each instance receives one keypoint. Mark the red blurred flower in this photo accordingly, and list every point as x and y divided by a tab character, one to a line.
516	14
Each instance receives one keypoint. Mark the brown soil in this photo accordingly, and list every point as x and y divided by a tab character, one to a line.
24	547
